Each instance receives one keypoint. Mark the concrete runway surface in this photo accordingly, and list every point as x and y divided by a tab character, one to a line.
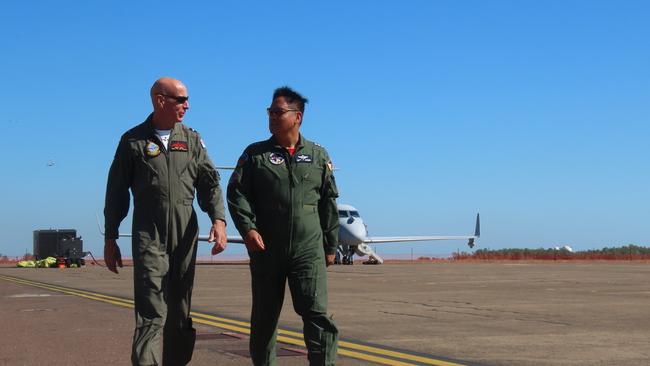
503	313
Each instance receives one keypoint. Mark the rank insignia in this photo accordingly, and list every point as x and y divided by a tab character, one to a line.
276	159
178	146
152	149
303	158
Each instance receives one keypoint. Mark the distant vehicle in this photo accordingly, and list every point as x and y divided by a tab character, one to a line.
64	245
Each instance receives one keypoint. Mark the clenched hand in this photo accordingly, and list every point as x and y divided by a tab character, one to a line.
218	236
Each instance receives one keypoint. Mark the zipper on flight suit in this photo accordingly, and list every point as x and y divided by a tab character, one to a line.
169	190
291	190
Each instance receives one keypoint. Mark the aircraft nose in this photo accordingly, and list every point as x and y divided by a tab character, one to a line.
357	230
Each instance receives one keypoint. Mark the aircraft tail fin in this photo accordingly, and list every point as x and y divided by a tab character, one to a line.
477	232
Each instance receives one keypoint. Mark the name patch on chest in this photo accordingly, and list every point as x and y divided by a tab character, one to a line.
303	158
178	146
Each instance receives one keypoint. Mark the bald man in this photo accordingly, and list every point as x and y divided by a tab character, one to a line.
163	163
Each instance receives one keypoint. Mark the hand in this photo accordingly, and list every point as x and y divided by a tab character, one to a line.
218	236
329	259
112	255
253	241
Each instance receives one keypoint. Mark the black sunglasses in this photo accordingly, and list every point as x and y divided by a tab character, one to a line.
279	111
178	99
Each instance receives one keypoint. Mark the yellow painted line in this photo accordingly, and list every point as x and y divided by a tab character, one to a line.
67	291
346	348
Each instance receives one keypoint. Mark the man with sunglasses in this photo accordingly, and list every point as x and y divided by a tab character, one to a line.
282	199
163	163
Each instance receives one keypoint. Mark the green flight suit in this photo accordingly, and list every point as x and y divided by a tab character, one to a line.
291	202
165	231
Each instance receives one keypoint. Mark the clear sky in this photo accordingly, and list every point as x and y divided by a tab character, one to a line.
535	114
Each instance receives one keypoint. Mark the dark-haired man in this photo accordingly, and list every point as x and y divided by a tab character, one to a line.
162	162
282	199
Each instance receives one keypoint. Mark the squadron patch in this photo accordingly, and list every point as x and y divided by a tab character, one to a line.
178	146
276	159
152	149
303	158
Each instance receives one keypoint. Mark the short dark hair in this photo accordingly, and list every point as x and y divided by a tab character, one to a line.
291	96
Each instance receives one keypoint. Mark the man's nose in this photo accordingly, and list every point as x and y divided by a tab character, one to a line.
186	105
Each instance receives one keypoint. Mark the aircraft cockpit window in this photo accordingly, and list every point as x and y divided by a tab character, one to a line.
354	213
343	214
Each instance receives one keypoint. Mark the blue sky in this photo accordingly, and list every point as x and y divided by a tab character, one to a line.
535	114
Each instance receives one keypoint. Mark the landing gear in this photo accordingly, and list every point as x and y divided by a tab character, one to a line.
371	260
344	255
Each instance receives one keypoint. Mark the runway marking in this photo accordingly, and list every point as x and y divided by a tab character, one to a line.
346	348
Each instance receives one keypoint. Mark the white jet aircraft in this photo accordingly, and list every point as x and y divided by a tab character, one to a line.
354	239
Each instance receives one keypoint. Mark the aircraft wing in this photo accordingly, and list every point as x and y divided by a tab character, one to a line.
397	239
236	239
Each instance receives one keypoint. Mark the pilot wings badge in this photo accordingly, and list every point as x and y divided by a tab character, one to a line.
303	158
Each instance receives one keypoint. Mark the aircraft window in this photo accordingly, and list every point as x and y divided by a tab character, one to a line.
343	214
354	213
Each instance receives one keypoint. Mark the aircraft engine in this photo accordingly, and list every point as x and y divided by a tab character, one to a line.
363	250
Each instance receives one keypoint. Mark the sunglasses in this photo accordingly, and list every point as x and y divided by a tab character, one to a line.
178	99
279	111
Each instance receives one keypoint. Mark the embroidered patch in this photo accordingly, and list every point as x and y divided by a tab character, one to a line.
178	146
276	159
303	158
152	149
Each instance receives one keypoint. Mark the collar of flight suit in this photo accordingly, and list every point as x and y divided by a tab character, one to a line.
176	131
300	144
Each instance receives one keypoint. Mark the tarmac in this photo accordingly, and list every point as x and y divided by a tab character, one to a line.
435	313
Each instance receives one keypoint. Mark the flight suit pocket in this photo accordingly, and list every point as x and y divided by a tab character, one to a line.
303	292
149	253
308	291
146	176
311	185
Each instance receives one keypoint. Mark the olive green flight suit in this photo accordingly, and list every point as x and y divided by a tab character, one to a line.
165	232
291	202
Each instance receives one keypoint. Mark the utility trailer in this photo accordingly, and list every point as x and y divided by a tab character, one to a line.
64	245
